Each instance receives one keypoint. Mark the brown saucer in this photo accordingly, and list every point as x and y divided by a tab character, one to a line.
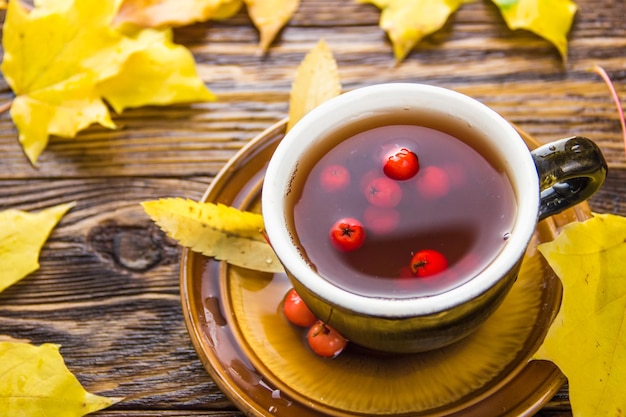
262	364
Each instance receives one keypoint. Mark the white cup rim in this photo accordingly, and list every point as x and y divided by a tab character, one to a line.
356	104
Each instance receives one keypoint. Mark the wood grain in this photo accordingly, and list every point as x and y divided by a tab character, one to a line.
107	289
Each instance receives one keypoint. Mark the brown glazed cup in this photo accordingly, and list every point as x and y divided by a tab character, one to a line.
545	181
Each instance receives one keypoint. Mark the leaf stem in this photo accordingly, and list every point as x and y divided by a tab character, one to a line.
6	106
602	73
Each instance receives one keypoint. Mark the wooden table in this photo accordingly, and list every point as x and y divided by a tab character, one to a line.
108	286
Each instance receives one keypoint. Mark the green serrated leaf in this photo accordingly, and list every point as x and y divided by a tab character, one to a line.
505	3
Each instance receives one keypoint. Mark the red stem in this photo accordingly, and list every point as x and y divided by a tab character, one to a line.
600	71
6	106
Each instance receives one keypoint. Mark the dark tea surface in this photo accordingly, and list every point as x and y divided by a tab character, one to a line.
457	204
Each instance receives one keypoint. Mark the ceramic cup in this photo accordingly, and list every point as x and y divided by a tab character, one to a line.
545	181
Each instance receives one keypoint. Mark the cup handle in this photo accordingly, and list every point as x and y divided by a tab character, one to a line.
570	171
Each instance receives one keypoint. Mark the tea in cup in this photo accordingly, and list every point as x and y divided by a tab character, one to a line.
401	212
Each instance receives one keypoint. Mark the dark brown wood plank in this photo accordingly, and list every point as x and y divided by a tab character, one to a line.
161	142
107	292
475	51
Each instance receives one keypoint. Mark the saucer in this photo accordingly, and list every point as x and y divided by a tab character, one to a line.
262	363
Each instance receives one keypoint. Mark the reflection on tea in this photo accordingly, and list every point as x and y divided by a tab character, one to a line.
457	204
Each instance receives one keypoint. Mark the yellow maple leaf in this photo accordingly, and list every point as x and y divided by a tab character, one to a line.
22	236
57	82
153	65
409	21
550	19
157	13
216	230
317	80
269	17
34	381
587	339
